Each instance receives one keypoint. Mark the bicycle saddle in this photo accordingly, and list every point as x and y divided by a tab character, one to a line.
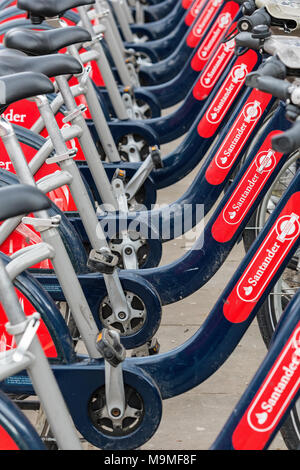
52	8
12	61
44	42
18	199
19	86
286	48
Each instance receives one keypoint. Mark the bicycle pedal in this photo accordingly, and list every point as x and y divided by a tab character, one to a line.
109	345
156	157
148	349
119	174
102	261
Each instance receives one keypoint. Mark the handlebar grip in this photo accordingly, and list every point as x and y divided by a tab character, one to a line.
259	17
272	67
289	141
246	40
278	88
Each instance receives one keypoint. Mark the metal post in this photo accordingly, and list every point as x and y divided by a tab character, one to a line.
123	20
97	114
105	69
88	147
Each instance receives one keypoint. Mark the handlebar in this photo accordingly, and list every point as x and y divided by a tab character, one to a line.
245	40
289	141
272	67
259	17
278	88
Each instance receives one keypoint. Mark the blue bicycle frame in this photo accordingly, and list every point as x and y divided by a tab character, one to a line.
158	11
168	68
192	149
166	45
175	90
162	27
177	371
271	394
203	189
193	270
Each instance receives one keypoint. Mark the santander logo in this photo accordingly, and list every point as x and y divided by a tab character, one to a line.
237	137
234	142
11	116
265	263
7	166
224	20
221	26
287	229
272	398
251	113
238	75
284	379
196	8
264	162
213	37
202	23
211	75
226	94
247	191
194	12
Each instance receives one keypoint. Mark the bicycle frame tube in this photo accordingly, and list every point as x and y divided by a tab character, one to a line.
38	368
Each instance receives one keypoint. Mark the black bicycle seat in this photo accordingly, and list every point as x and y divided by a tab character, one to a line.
52	8
12	61
44	42
18	199
22	85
